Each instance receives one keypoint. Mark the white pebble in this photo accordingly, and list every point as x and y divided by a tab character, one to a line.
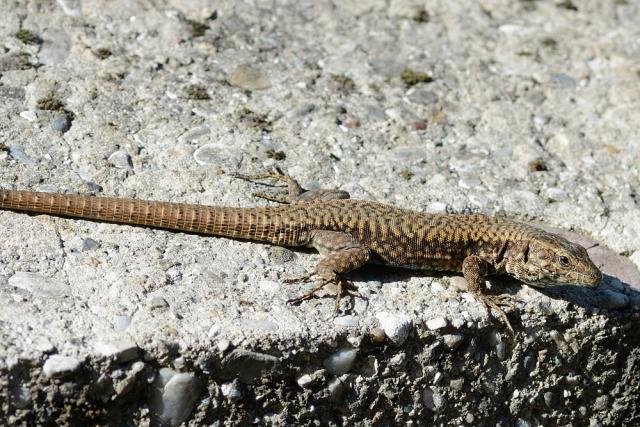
122	351
57	365
341	361
121	160
178	398
39	285
436	323
305	380
395	326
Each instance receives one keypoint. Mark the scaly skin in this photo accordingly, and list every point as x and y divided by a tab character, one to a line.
350	233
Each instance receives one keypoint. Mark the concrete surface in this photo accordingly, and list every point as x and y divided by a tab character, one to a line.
528	109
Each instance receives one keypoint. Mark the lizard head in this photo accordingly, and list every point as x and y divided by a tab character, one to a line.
550	260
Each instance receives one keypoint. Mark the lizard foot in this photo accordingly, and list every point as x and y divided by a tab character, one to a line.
300	279
494	302
345	287
319	285
269	175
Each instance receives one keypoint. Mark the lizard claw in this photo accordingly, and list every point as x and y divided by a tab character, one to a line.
300	279
493	302
309	294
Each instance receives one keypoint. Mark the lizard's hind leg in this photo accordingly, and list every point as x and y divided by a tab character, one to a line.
295	192
342	254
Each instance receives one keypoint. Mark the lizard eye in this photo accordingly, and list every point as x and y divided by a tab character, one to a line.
564	260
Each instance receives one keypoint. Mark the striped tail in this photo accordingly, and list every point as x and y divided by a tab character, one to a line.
259	224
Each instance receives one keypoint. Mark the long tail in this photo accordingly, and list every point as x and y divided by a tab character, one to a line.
261	224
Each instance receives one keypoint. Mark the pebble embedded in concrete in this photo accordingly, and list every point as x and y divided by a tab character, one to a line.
39	285
176	396
62	123
120	350
232	390
433	399
121	160
346	321
305	380
218	154
452	341
58	365
249	78
341	361
395	326
436	323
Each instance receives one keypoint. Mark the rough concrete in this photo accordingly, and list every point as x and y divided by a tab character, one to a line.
527	109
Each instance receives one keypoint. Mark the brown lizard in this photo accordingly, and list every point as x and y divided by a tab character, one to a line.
349	233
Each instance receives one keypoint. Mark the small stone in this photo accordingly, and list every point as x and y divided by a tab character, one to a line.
397	362
121	322
437	207
601	403
121	351
346	321
21	396
70	7
437	288
249	78
437	378
395	326
377	335
126	384
279	255
178	397
223	345
436	323
62	123
269	286
433	399
89	245
214	330
248	365
258	325
457	384
336	390
29	115
457	323
549	399
39	285
218	154
56	365
501	350
341	361
121	160
305	380
17	152
158	303
557	194
452	341
232	391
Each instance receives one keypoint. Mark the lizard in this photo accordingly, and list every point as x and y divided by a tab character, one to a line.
349	233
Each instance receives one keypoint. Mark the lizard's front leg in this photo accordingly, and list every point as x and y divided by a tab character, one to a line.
342	254
474	270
